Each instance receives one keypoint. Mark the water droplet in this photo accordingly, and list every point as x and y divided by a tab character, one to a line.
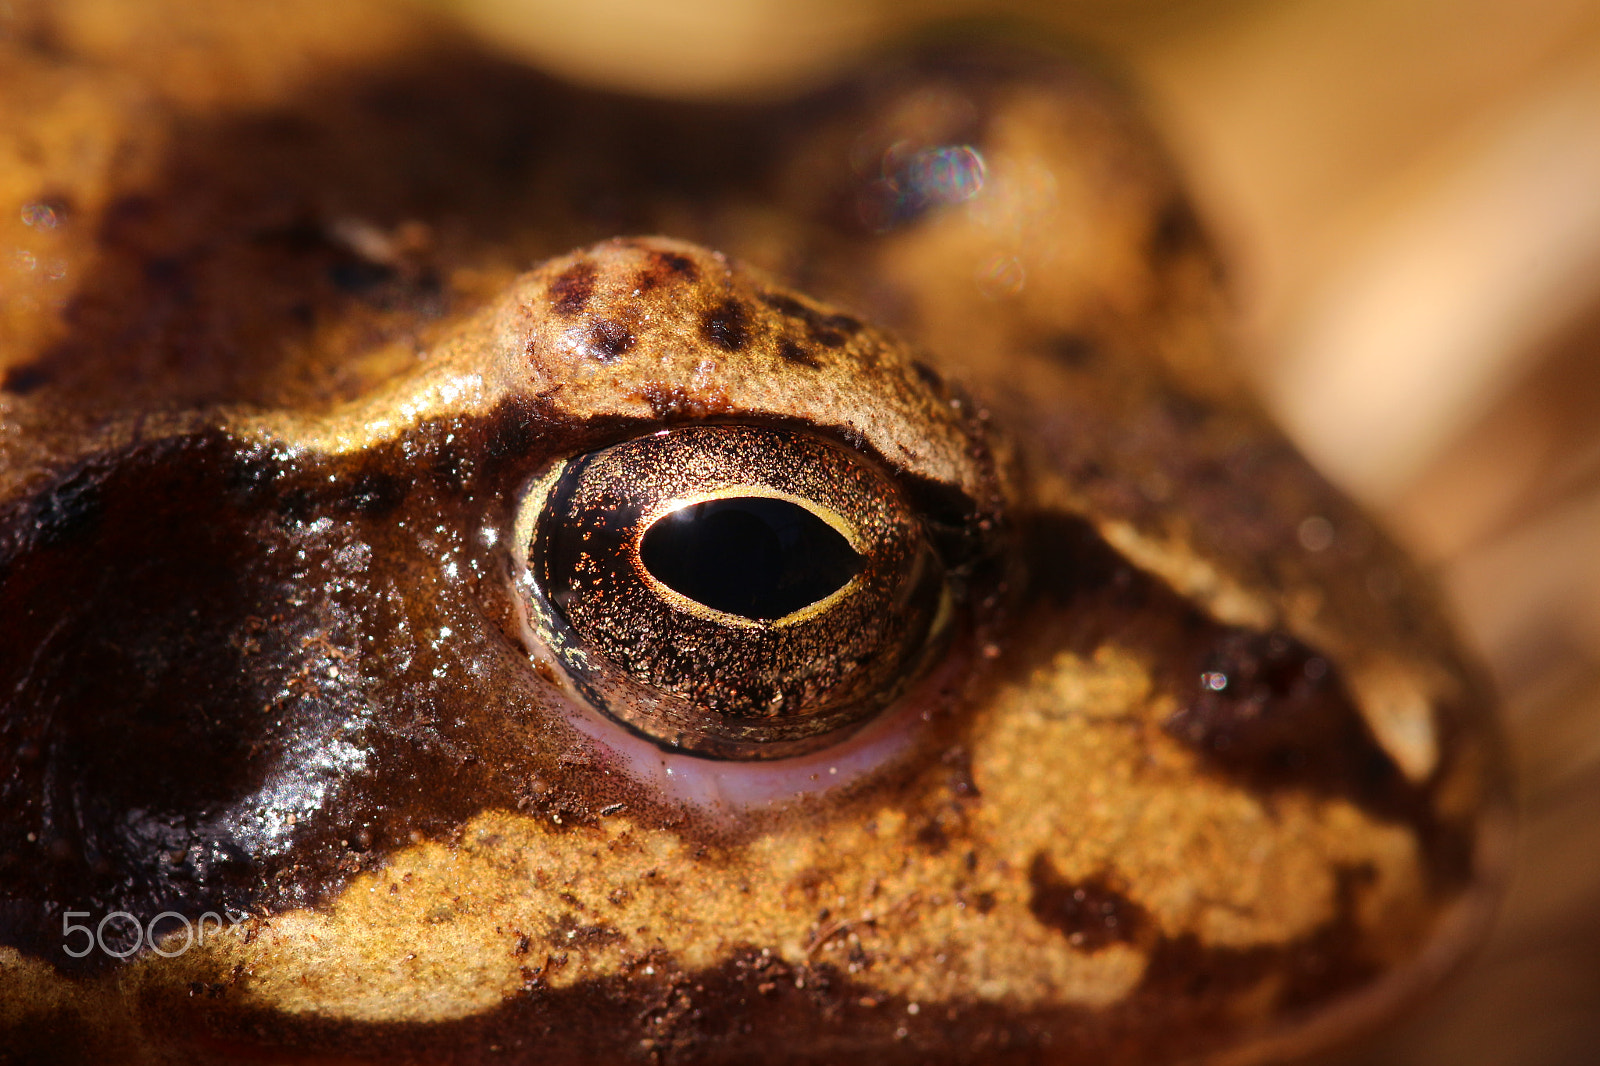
1000	276
40	216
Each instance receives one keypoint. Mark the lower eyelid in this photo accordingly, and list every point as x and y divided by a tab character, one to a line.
731	788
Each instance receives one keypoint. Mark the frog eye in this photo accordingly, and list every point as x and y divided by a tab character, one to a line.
739	592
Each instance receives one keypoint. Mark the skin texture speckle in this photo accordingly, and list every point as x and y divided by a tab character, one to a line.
794	352
665	268
1165	786
611	338
570	291
1090	913
726	325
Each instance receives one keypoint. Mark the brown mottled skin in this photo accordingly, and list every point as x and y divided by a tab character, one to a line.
1185	784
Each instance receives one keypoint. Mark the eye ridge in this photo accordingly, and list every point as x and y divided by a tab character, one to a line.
755	556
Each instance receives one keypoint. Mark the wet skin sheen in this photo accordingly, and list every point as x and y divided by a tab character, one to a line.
1046	707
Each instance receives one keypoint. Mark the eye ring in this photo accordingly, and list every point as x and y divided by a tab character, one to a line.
794	652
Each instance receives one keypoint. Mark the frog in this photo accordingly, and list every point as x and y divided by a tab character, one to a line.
586	579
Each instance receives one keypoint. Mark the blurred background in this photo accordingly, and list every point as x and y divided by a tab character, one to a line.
1408	197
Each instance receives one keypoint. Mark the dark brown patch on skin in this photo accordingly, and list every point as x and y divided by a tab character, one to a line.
24	379
1270	710
179	667
826	332
663	268
931	835
567	933
1314	968
572	288
375	492
1177	229
791	351
839	322
928	375
1070	349
1187	413
726	325
1091	914
788	306
674	403
610	338
830	331
179	657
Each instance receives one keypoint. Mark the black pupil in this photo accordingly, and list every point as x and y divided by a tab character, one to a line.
752	556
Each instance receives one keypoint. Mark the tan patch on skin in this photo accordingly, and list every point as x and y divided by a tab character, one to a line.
32	987
1193	576
562	892
1398	706
1081	759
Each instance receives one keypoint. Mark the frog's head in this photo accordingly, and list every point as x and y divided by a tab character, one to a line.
672	667
676	663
